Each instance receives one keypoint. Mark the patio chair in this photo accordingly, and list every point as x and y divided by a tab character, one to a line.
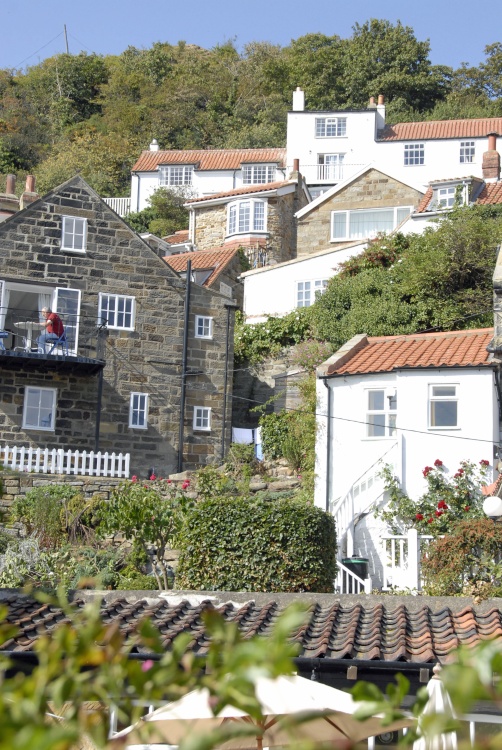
58	346
3	335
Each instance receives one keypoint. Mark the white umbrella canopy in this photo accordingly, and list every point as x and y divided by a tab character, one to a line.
292	707
438	705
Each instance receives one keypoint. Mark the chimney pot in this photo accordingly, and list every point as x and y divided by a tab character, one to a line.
10	187
492	141
154	146
491	160
296	165
372	101
381	99
30	183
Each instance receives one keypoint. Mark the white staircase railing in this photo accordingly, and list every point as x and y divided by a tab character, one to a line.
61	461
347	582
363	493
401	555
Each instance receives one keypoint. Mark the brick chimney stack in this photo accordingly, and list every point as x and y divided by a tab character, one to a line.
9	204
295	173
491	160
29	195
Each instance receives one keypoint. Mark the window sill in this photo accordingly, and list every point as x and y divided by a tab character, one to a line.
72	250
249	233
443	429
203	338
137	427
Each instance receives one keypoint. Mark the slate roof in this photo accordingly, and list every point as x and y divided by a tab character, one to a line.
412	630
203	260
388	353
211	159
436	129
269	186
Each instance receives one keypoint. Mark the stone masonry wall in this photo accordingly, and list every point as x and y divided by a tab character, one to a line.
15	485
373	190
146	360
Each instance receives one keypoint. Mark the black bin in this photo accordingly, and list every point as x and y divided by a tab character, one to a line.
357	565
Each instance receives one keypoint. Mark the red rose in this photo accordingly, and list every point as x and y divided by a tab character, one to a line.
153	478
429	520
419	517
438	462
427	471
484	462
467	507
134	478
442	505
439	513
185	484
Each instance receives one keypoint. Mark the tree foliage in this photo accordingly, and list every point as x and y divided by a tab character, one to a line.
164	215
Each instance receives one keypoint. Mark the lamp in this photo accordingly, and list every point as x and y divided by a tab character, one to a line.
492	506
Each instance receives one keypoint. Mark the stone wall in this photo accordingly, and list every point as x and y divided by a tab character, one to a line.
147	359
373	190
15	485
254	385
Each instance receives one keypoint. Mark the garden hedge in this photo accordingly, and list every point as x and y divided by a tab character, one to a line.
240	544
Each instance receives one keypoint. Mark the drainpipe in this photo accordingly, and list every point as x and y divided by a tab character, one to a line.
225	384
98	410
184	366
328	441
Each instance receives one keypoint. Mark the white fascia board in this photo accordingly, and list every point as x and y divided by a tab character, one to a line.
242	196
305	258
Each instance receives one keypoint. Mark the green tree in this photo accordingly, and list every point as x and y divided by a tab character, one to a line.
166	213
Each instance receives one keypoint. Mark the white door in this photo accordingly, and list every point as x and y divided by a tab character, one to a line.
66	303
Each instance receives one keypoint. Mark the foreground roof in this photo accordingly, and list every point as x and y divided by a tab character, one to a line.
209	159
415	630
388	353
434	129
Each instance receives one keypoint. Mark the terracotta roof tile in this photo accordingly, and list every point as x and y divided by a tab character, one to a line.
180	236
449	349
203	260
422	131
269	186
333	627
211	159
491	193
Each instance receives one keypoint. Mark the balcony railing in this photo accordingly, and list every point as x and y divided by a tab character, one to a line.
318	174
121	206
257	256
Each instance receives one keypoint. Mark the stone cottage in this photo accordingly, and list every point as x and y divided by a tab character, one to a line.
145	362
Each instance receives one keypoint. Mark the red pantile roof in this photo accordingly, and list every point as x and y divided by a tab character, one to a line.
211	159
203	260
180	236
424	203
450	349
242	191
491	194
334	627
423	131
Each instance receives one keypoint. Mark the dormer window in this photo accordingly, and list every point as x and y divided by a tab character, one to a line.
175	176
448	196
258	174
247	216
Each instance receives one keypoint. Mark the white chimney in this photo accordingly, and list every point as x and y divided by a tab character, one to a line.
298	100
154	146
380	118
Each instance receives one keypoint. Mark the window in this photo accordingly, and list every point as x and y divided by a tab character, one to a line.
329	166
175	176
330	127
467	152
381	413
202	418
138	411
74	234
203	327
306	291
443	406
366	223
413	154
258	174
116	311
39	408
246	216
446	196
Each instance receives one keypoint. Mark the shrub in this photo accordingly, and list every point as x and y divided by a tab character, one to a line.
462	560
235	544
274	431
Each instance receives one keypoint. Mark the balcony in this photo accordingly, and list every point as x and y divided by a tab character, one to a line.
121	206
81	354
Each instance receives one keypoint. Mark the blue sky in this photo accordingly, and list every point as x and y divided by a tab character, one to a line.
32	30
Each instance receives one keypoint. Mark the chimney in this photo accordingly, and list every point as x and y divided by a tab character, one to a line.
295	172
380	116
371	104
29	195
154	146
298	100
9	204
491	160
381	99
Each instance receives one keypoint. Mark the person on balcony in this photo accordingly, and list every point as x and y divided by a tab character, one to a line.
53	326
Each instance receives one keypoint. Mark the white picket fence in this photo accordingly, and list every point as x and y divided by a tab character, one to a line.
401	555
60	461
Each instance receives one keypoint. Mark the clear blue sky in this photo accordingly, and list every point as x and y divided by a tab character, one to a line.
31	30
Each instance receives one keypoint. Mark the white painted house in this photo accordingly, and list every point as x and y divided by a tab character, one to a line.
404	401
332	146
203	172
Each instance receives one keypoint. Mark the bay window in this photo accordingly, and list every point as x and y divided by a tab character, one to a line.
247	216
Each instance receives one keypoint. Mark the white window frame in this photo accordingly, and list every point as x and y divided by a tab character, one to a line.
414	154
389	413
119	298
74	233
445	196
330	166
236	216
467	154
330	127
201	415
438	398
50	412
175	175
358	212
203	327
307	290
138	409
251	174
